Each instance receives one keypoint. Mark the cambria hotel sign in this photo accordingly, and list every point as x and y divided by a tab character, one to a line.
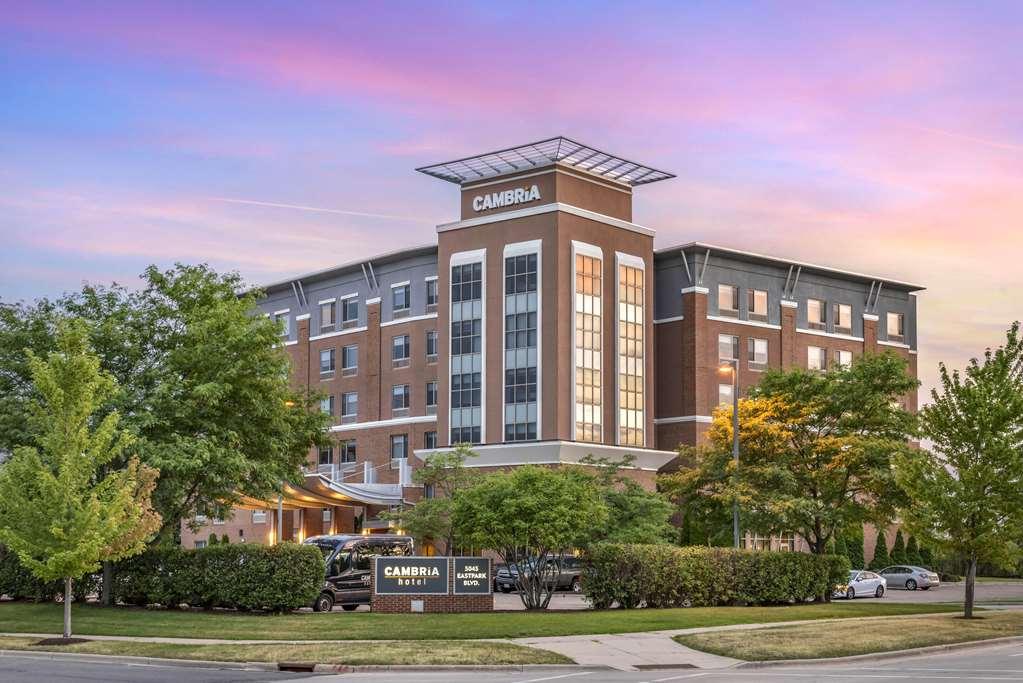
400	575
497	200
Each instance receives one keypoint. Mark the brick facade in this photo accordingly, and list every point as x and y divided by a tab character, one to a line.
433	603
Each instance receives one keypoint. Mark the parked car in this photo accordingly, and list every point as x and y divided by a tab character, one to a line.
910	577
348	560
568	571
862	583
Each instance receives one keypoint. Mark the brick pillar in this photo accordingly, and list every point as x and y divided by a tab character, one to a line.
788	333
869	333
288	525
344	519
370	405
300	378
312	523
696	398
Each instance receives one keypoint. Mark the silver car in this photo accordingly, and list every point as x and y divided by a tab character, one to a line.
910	578
861	584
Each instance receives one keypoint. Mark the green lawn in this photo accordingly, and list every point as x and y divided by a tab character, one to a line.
93	620
380	652
853	637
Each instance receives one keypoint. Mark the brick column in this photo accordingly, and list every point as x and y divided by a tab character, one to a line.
696	399
869	333
369	406
300	378
788	333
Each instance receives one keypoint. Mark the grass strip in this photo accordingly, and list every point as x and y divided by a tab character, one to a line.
379	652
121	621
853	637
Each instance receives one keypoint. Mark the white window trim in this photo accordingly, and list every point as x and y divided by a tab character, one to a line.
739	321
462	258
430	278
831	335
406	283
524	249
345	297
331	300
338	333
598	253
355	426
629	260
409	319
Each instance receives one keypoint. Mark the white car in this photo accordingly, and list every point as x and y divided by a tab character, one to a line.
910	577
862	583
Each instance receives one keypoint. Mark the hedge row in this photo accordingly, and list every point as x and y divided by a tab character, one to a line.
18	583
241	576
630	576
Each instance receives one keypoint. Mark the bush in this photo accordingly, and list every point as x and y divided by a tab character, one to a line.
632	575
18	583
238	576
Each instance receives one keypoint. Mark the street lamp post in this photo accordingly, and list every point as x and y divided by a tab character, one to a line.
733	368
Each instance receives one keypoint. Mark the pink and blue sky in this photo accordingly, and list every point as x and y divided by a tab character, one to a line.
880	137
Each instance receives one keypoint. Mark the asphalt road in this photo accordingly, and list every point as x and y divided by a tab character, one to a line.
16	669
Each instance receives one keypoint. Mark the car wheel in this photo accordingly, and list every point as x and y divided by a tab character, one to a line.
349	608
506	589
879	593
850	594
576	585
324	603
911	585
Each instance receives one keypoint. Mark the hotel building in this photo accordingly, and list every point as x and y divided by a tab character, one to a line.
543	326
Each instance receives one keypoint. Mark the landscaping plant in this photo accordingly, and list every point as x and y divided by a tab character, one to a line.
881	557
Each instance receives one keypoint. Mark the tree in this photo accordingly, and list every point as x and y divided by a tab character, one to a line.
926	558
898	554
529	516
881	557
913	552
965	493
841	547
854	542
816	449
635	515
702	518
442	475
63	508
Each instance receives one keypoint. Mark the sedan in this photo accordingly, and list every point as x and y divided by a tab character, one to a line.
910	577
862	583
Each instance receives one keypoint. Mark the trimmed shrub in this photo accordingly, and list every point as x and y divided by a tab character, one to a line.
854	542
881	558
899	549
633	575
18	583
239	576
913	556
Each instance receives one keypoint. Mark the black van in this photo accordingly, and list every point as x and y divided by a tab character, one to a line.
349	561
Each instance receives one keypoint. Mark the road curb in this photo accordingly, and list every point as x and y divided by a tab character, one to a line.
879	656
129	659
411	668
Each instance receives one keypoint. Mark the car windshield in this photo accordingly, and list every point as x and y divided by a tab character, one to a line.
853	575
325	548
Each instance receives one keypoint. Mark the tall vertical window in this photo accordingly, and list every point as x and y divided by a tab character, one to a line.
757	359
327	405
346	452
429	439
816	314
725	394
401	298
588	365
816	358
520	344
896	326
466	352
728	348
349	312
843	358
431	398
400	350
400	397
631	355
842	315
431	293
326	456
350	359
349	406
283	320
757	304
399	446
327	315
327	362
728	300
431	345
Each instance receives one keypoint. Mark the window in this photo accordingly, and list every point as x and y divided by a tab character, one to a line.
399	397
588	365
431	398
520	347
350	312
896	325
431	345
728	300
816	314
843	358
259	516
631	355
401	298
200	544
757	304
326	515
399	446
466	416
430	440
725	394
346	452
842	315
282	319
400	350
757	358
349	406
350	360
327	405
326	455
327	316
728	348
327	363
816	358
787	542
431	293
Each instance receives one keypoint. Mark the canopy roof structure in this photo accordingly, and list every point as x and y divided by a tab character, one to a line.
559	150
319	491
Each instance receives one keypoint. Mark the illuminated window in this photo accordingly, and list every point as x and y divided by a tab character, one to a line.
728	300
757	354
327	317
466	353
842	315
896	325
843	358
728	348
520	339
816	358
724	394
588	302
631	356
816	314
327	363
757	304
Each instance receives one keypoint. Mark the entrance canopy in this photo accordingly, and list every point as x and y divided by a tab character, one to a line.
319	491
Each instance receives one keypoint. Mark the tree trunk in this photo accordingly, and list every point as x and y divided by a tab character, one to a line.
67	607
107	589
971	579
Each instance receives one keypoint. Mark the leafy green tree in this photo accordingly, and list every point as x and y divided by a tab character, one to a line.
701	519
63	508
965	493
441	475
213	540
816	449
854	544
913	552
926	558
225	539
899	549
635	515
529	516
841	547
881	557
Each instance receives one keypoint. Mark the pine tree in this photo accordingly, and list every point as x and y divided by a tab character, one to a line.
899	549
841	547
225	539
65	507
855	545
881	558
214	540
913	555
